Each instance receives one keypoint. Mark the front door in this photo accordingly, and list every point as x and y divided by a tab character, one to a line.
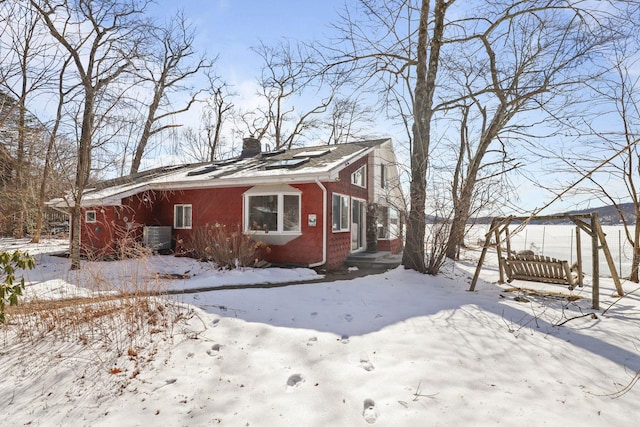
358	225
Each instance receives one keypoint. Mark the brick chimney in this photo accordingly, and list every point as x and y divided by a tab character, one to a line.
251	147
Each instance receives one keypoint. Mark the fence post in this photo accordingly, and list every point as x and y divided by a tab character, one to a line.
595	282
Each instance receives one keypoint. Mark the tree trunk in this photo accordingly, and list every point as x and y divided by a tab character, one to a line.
75	238
462	202
82	174
458	227
413	257
18	231
42	194
146	131
635	262
414	254
47	160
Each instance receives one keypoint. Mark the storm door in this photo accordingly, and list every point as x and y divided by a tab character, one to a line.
358	224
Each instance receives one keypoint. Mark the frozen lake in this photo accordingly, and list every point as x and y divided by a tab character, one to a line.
559	241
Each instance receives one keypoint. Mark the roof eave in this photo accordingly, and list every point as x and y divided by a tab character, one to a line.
244	181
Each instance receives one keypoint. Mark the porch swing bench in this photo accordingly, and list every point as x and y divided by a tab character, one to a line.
537	268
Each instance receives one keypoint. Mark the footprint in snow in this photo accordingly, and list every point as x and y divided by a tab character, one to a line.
314	314
215	322
294	381
214	350
370	413
348	317
366	364
312	341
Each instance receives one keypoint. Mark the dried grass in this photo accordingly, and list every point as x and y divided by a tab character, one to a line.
113	333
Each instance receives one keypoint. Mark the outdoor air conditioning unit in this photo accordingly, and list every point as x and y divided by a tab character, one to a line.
157	237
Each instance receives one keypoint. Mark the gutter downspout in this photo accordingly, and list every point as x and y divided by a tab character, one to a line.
324	225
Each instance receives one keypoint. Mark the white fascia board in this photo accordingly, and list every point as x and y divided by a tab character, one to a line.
335	172
114	199
59	203
240	182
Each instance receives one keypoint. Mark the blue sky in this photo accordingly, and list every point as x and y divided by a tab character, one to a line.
229	28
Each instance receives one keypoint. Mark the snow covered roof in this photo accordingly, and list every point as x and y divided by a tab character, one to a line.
298	165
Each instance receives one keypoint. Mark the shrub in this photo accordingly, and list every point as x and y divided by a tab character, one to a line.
227	247
126	244
9	289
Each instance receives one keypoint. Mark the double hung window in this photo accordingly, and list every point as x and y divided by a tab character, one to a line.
340	213
182	217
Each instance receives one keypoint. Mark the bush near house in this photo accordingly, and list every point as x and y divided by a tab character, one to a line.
227	247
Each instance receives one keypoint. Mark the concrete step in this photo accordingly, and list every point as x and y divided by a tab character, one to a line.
378	260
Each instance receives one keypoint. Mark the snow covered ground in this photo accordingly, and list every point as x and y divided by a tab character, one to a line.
391	349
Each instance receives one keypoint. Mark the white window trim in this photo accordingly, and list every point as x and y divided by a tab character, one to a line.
93	220
362	169
343	227
175	217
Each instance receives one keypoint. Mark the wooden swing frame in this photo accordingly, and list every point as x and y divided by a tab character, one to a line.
545	269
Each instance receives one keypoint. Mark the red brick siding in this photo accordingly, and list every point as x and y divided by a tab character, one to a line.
306	249
101	238
224	206
339	243
393	245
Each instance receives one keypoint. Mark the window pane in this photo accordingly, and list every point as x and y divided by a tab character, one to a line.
335	215
383	220
187	216
178	217
393	216
182	216
291	218
344	213
263	213
358	177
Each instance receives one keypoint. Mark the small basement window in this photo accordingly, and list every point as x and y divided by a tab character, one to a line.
90	216
182	217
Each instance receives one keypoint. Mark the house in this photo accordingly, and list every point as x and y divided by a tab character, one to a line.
310	205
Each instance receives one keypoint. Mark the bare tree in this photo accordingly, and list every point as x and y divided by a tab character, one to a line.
27	68
205	144
428	62
102	38
348	120
167	71
50	153
288	72
398	47
532	54
519	55
616	99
